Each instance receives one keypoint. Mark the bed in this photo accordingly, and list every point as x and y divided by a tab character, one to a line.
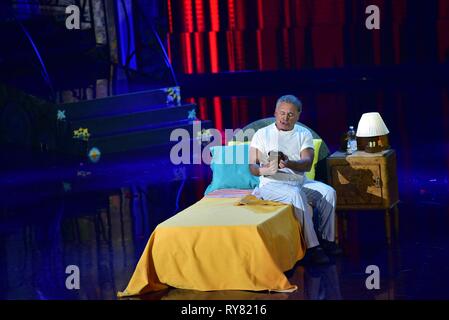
221	243
229	240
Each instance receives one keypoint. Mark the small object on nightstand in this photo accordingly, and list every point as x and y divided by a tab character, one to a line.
351	146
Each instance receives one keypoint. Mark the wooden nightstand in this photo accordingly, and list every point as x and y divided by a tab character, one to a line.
365	181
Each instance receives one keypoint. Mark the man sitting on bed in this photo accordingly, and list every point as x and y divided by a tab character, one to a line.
280	154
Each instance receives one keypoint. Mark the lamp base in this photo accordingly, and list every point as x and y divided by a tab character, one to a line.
373	144
375	149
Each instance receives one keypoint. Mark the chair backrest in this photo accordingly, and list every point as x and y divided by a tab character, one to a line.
320	170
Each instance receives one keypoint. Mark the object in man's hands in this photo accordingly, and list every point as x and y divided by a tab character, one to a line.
275	155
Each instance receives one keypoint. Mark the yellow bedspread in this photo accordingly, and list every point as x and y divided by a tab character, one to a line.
221	244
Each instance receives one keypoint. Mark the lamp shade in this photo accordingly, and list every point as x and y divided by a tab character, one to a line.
371	125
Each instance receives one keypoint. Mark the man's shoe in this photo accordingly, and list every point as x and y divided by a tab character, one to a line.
331	248
316	255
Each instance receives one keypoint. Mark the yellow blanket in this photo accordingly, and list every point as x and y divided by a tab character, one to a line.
221	244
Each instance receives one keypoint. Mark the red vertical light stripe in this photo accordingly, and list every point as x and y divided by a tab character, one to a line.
199	15
187	49
169	53
287	15
327	44
267	49
218	114
197	12
327	12
239	50
270	13
190	100
399	10
230	36
443	40
188	16
199	52
214	15
230	44
231	15
260	14
259	50
443	9
213	48
202	103
240	11
302	16
170	16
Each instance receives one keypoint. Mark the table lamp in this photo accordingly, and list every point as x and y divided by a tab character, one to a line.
372	133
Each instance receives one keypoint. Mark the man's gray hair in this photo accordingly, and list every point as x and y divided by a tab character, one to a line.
290	99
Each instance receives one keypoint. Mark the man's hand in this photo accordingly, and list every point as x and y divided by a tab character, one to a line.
283	163
269	170
303	165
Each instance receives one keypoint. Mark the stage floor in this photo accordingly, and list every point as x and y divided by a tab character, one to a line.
98	217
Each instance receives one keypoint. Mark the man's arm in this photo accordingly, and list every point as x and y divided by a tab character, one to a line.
256	169
303	165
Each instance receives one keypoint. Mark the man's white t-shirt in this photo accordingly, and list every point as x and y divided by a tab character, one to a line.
291	143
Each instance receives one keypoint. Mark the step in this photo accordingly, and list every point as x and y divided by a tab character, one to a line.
121	121
140	138
131	102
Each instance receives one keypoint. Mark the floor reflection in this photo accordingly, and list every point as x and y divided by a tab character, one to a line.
179	294
314	283
102	233
322	283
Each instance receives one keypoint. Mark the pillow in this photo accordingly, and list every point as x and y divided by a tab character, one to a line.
316	146
230	168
